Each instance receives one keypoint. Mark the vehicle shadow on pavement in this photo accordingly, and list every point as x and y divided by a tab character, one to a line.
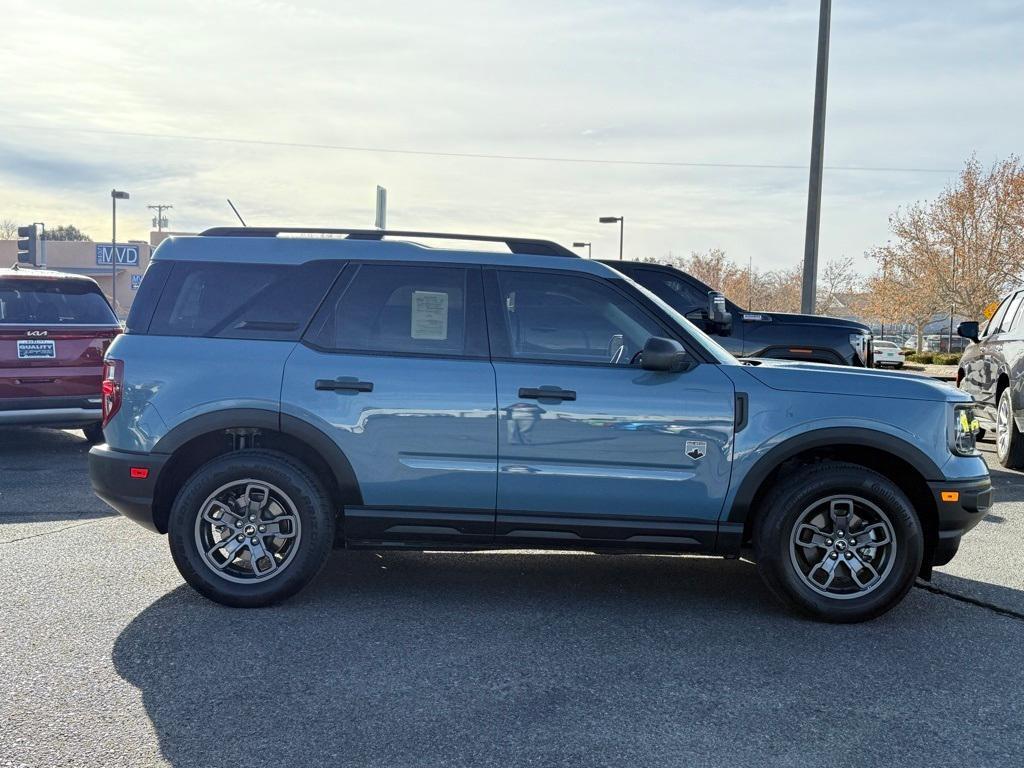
403	658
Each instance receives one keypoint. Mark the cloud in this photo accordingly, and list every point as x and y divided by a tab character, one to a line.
911	85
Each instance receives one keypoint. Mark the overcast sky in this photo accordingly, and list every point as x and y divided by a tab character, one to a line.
913	84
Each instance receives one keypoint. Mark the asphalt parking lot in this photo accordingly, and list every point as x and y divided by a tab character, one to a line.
402	659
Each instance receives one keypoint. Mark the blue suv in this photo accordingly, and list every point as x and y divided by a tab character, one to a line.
279	392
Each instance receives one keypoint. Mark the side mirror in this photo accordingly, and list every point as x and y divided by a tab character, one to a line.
719	317
969	330
663	355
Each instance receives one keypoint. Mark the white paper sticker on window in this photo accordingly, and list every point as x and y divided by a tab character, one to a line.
429	315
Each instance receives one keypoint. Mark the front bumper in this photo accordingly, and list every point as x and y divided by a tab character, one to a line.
110	472
961	505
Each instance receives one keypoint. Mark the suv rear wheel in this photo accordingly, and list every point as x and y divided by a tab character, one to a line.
93	433
838	542
251	528
1009	441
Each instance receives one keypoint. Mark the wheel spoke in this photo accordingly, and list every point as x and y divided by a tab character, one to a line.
263	562
256	497
840	511
812	536
219	513
282	526
857	566
827	567
230	547
874	535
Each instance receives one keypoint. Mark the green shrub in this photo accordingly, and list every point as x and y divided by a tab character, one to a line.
924	357
948	358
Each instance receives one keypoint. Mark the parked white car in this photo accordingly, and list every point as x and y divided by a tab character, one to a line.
888	354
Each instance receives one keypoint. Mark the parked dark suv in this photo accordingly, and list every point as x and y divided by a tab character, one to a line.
746	333
992	370
54	329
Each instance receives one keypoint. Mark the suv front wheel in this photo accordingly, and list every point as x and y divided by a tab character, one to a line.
838	542
251	528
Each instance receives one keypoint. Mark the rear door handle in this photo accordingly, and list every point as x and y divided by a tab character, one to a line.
547	393
343	385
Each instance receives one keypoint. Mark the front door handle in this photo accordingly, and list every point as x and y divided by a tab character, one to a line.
547	393
350	384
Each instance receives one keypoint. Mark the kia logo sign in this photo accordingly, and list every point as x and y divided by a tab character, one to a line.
36	333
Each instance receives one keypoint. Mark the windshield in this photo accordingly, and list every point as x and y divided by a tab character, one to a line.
53	302
712	347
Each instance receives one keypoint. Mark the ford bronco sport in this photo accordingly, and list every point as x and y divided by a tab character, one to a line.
277	394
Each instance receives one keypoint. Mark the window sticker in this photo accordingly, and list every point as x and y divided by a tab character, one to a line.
429	315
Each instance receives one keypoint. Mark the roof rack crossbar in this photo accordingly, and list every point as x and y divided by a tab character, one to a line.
519	245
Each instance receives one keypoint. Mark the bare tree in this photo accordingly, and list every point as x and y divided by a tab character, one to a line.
8	229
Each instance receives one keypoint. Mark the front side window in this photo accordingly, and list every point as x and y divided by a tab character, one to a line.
399	309
570	318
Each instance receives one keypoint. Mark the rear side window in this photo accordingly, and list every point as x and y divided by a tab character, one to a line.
53	302
404	309
241	301
679	294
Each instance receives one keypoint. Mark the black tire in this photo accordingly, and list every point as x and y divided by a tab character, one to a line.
785	506
93	433
1010	451
312	537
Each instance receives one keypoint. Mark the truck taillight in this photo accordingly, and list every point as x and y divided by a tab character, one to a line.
113	380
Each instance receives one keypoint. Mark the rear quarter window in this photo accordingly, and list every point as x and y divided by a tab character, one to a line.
241	301
47	301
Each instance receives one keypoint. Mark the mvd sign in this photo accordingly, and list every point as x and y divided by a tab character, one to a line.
127	255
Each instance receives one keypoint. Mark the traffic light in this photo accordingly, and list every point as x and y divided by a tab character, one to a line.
28	245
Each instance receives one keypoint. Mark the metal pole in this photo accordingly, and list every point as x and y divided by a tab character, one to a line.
810	282
622	226
113	253
590	251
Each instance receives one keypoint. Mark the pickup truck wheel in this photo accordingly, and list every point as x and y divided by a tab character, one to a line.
838	542
1009	441
251	528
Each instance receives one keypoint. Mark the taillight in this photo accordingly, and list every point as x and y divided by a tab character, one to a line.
113	381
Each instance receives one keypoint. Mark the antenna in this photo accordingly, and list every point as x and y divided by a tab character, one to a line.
237	213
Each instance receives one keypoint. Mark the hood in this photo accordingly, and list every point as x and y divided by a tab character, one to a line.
787	318
792	376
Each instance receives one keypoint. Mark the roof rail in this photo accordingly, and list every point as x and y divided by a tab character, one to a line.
519	245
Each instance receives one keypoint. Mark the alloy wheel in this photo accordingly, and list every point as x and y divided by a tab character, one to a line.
1003	426
843	546
247	531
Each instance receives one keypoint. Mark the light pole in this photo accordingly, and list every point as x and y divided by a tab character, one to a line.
590	254
115	195
621	221
810	280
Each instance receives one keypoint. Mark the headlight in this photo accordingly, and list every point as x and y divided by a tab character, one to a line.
965	430
861	345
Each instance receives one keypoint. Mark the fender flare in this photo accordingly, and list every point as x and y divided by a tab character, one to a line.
821	438
273	421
